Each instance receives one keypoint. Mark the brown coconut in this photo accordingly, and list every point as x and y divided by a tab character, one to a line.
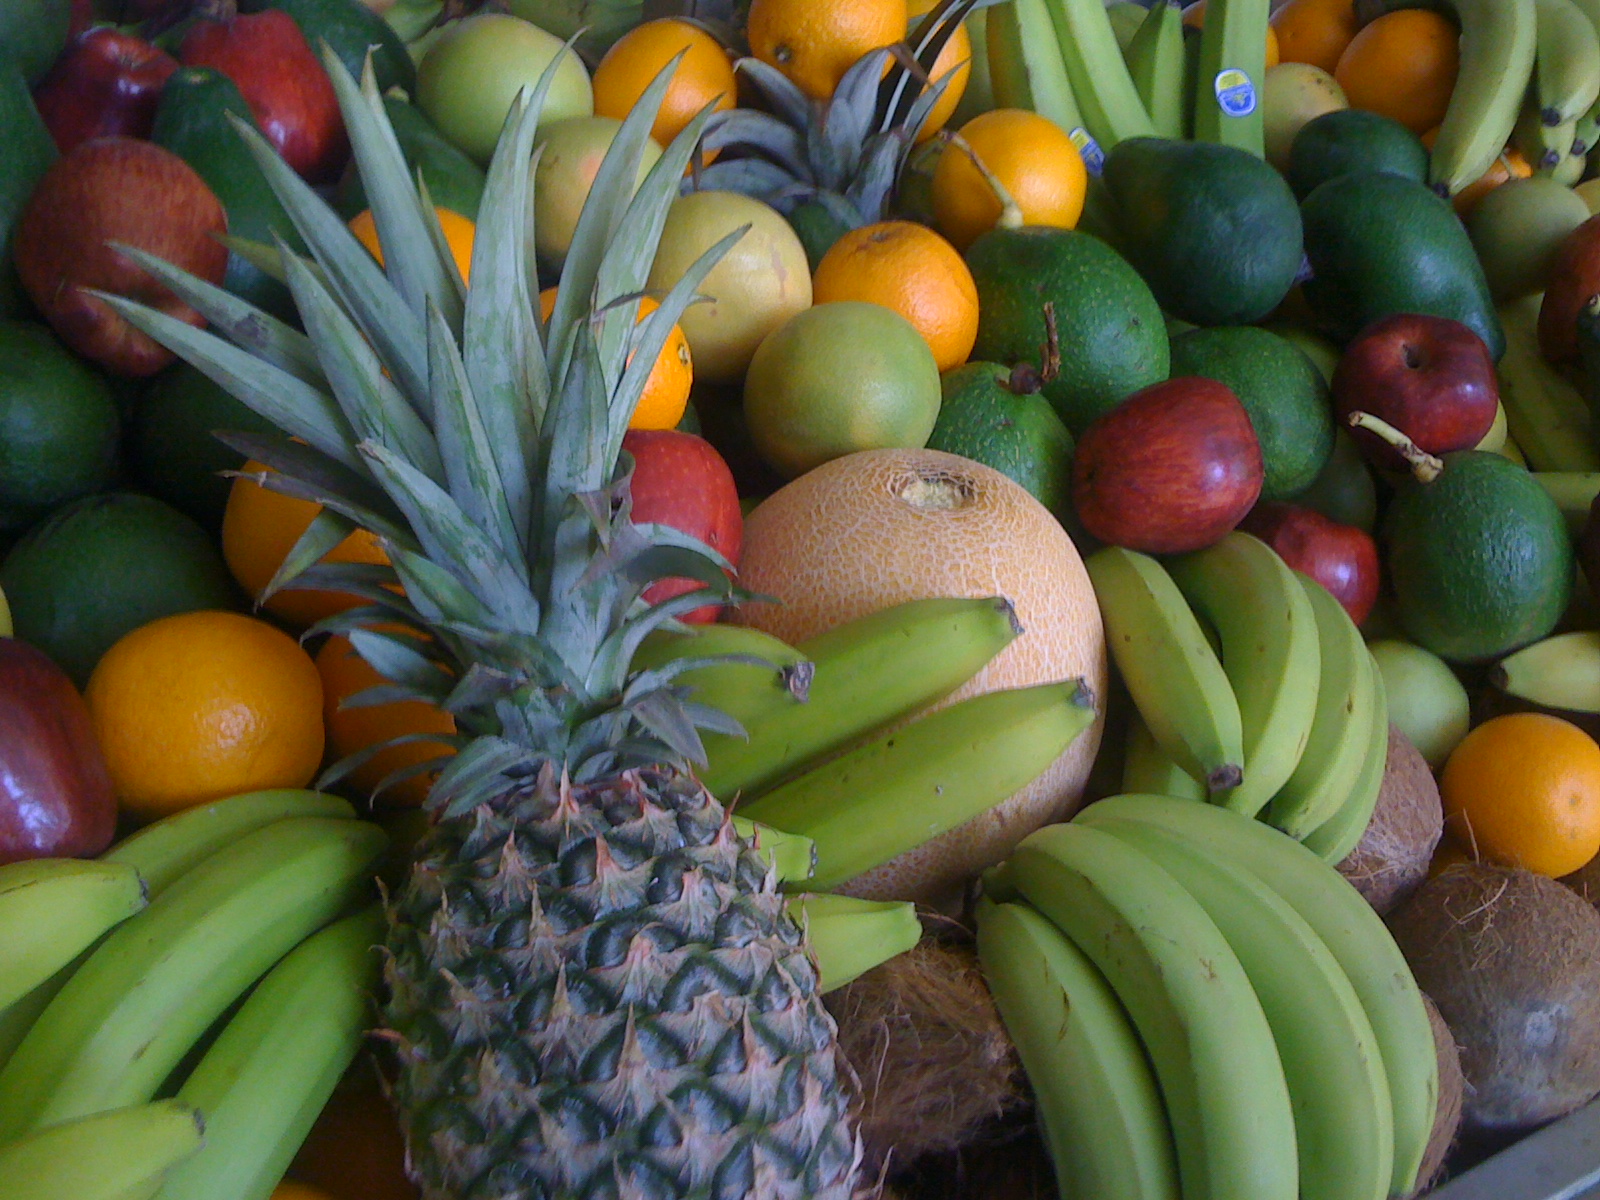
1513	961
1447	1111
881	527
1391	860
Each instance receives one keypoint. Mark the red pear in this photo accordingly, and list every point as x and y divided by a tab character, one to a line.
1341	558
111	190
680	480
106	82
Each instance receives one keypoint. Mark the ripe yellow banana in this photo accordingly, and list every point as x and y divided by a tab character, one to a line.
1186	993
848	937
1573	492
1498	39
909	786
117	1155
1269	651
1559	672
1343	1118
1566	76
1347	925
1548	419
1233	65
1097	1101
53	909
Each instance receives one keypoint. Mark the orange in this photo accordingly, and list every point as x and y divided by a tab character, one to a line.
1315	31
290	1190
957	57
458	232
344	673
814	42
355	1151
704	76
1509	165
260	527
201	705
1524	790
1403	65
666	390
911	269
1031	157
1195	15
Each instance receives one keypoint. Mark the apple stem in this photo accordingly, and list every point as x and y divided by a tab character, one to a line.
1423	465
1010	211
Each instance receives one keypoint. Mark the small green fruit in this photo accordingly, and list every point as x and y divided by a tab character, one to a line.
1426	701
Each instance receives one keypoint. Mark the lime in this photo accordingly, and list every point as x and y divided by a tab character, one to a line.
172	445
58	424
104	565
995	415
838	378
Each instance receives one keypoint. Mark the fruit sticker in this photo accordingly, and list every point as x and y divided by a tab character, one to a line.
1094	158
1236	95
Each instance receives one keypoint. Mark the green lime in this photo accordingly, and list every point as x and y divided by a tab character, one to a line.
838	378
58	424
105	565
172	445
995	415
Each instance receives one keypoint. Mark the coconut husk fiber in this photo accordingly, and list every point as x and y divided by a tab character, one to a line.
1447	1112
1392	858
934	1063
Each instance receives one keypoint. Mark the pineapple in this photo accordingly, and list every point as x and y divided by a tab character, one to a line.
594	988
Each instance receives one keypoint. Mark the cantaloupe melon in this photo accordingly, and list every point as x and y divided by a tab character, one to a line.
880	527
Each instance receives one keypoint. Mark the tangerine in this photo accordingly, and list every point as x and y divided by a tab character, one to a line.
458	233
1509	164
955	60
1032	159
1315	31
703	76
814	42
202	705
1403	65
666	389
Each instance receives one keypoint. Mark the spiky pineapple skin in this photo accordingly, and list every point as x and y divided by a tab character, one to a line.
596	992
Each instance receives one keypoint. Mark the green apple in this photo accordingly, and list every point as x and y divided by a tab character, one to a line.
469	78
570	153
1426	700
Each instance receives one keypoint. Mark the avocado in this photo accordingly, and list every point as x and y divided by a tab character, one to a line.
1480	558
350	28
994	415
29	151
1282	390
1345	490
1381	244
192	121
454	181
1353	139
1212	229
32	34
1110	337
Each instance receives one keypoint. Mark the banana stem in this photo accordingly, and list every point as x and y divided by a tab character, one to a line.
1423	465
1011	216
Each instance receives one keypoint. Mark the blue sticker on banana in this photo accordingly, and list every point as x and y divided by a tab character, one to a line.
1094	158
1236	95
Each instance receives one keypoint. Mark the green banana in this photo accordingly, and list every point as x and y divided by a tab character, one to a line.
52	910
128	1016
1587	134
917	782
793	857
1155	62
1343	1118
1146	767
849	937
1345	922
1026	70
172	846
1334	839
1569	171
117	1155
1566	75
1544	146
1559	672
1340	731
1104	90
1548	419
16	1020
745	691
1498	39
1269	651
1178	684
1187	995
1573	492
271	1070
1233	64
868	673
1097	1101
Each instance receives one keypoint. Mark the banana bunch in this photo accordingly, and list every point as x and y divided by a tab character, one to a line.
117	970
818	746
1284	717
1546	416
1206	1009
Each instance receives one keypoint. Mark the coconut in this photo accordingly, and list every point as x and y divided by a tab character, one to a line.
880	527
1586	881
1513	961
1447	1112
1391	860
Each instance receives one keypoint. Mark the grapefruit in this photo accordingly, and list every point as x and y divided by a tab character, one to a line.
881	527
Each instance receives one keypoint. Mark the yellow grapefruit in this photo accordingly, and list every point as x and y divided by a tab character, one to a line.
880	527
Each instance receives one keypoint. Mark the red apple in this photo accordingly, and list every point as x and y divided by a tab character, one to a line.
83	16
105	82
56	799
1170	469
681	481
282	80
1430	377
108	190
1341	558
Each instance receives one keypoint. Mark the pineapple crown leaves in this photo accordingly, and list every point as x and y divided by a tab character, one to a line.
846	154
481	445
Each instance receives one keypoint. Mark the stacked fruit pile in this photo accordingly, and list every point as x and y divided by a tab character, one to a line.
908	424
